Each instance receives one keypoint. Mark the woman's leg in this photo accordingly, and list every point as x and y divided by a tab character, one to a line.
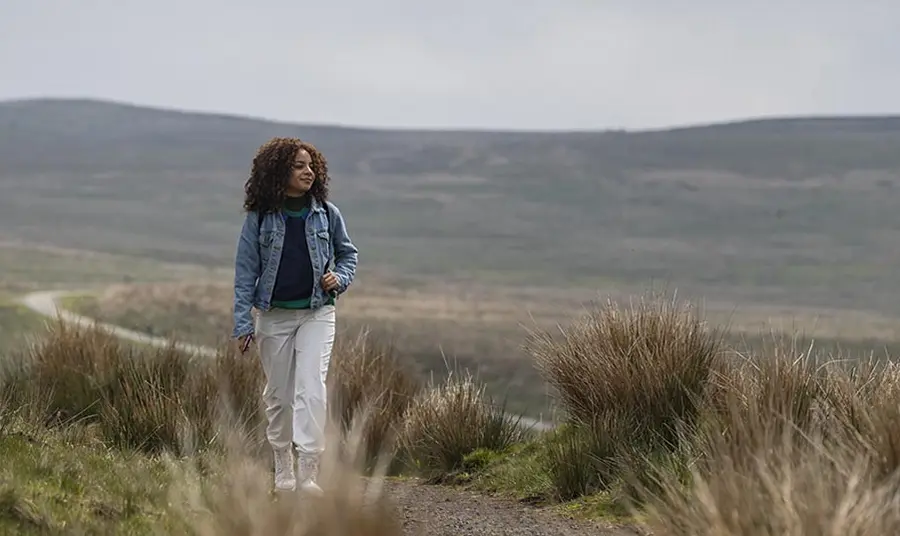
276	332
314	342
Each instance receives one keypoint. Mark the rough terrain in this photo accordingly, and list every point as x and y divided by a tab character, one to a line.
446	511
424	509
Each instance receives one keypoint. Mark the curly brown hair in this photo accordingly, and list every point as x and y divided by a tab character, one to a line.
264	190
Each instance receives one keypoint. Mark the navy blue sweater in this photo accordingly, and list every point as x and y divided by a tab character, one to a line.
294	282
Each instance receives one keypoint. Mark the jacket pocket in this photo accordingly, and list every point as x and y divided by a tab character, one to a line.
324	240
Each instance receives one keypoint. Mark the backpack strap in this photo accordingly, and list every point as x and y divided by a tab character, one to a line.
328	216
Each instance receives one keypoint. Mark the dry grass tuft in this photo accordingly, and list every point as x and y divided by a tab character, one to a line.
796	487
649	364
232	496
451	420
794	444
159	400
369	383
139	398
200	417
782	441
633	380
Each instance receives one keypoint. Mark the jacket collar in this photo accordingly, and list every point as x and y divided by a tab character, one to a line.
315	206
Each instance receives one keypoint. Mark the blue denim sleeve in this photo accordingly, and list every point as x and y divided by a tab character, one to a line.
246	273
345	253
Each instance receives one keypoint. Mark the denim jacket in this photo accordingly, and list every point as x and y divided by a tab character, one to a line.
259	253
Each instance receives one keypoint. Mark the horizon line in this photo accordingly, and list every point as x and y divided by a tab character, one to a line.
479	130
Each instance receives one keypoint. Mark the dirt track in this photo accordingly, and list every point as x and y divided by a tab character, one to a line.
444	511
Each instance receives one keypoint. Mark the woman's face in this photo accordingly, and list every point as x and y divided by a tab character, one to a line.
302	175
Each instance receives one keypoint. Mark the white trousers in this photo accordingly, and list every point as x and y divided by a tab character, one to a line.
295	349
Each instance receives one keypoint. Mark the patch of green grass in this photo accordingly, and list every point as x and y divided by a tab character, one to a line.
605	505
522	472
53	483
17	325
65	481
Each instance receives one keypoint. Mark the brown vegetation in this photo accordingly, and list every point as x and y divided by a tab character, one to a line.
202	417
709	441
79	392
449	421
149	399
660	418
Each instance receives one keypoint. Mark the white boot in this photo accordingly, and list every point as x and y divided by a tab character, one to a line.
309	472
285	479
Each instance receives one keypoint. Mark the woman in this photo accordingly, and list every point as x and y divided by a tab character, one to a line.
293	259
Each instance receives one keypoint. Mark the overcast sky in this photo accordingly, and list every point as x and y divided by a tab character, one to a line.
551	64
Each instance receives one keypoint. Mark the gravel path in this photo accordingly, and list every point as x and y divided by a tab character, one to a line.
445	511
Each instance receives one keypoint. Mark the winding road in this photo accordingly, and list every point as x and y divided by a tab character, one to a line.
46	303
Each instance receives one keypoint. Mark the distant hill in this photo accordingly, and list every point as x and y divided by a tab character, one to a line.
95	135
779	209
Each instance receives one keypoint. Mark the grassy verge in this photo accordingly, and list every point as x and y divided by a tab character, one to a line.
56	482
61	481
524	472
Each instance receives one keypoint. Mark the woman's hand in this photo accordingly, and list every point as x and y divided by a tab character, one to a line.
329	282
